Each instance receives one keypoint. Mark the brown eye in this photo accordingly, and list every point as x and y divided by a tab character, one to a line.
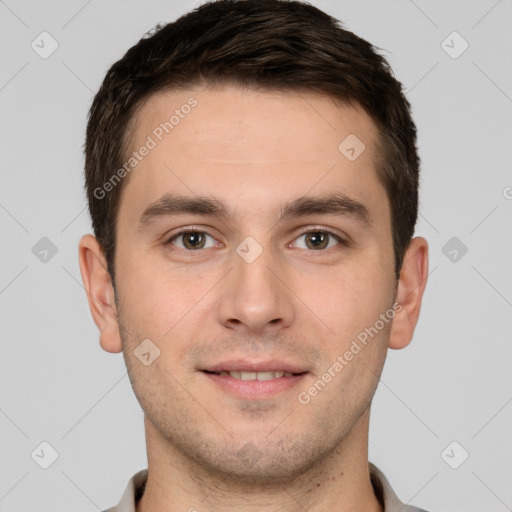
319	240
190	240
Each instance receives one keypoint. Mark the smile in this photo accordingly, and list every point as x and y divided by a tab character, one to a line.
243	375
254	385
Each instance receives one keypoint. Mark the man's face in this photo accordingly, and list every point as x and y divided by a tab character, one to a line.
254	290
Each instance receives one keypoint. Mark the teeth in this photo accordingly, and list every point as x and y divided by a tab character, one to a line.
257	375
265	375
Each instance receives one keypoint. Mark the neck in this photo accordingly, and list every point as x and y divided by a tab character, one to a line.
341	481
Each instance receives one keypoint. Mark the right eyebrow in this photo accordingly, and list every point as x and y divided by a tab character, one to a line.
175	204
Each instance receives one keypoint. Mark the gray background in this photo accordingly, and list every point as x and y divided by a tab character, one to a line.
453	383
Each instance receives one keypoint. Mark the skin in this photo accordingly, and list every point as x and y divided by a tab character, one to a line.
295	302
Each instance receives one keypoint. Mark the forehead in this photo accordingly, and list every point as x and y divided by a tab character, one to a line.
252	148
241	118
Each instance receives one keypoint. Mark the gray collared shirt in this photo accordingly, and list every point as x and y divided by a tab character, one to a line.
385	494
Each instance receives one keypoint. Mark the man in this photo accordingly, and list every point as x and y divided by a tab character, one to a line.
252	179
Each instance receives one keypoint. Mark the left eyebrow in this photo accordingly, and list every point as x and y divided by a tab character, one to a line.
330	204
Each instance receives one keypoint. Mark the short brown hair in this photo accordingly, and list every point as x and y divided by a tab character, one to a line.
268	44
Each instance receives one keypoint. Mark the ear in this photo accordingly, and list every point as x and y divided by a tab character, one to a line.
413	279
100	292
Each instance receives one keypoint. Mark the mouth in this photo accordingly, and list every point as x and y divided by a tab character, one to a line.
265	375
250	380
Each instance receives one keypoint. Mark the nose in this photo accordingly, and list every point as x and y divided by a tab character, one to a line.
255	297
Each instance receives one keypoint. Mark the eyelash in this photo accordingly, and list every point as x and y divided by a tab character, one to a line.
340	240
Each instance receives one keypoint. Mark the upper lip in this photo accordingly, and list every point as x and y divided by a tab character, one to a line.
269	365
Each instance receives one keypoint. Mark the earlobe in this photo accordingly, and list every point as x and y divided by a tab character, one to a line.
413	279
100	292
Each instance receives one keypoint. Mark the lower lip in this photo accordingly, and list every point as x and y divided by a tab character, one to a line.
254	389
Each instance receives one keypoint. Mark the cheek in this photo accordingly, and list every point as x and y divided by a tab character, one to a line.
162	301
351	306
350	299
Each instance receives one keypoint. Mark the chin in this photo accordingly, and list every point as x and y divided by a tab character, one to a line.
258	462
